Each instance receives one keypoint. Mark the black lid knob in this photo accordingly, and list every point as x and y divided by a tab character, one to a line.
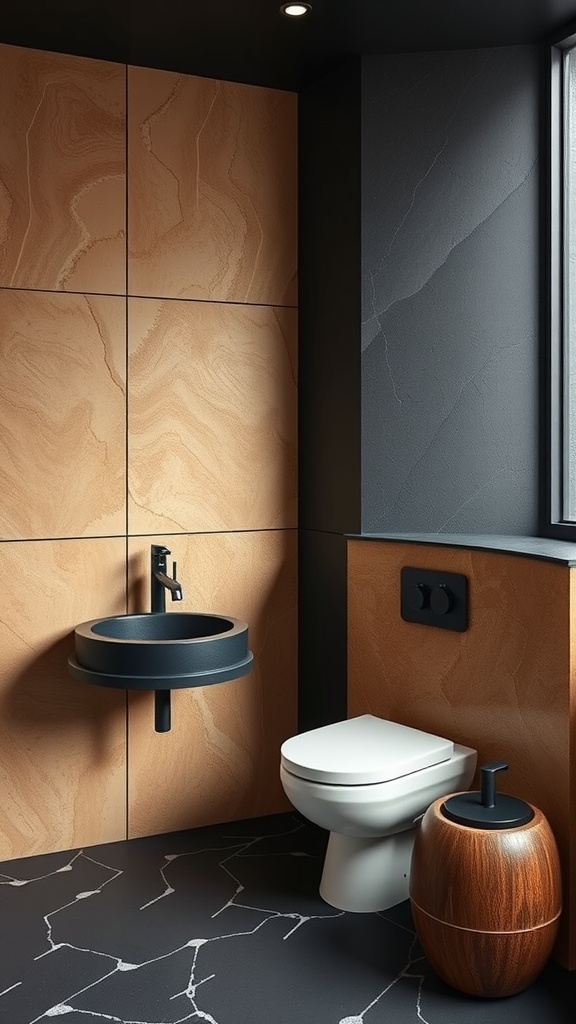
486	808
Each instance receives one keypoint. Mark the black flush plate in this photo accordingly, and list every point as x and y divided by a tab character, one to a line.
434	598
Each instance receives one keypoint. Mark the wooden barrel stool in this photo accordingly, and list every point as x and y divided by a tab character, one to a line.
485	890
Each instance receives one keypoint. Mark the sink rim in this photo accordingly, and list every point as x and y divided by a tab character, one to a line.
86	629
156	681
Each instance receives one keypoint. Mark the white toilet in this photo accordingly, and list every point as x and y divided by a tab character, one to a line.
369	781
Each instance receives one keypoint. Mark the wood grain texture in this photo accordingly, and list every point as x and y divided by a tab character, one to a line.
480	964
212	189
488	880
62	172
485	903
212	417
62	415
62	743
503	687
220	761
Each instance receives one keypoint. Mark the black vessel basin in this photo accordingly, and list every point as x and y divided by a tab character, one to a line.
160	650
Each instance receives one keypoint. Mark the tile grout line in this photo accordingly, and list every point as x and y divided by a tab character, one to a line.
126	449
181	533
153	298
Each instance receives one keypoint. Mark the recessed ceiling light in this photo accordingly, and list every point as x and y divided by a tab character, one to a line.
295	10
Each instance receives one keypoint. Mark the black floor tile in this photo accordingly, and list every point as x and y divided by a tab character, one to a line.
223	925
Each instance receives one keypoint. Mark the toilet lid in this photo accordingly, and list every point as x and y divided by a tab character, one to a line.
362	750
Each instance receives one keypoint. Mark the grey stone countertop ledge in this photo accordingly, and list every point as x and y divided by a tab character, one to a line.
546	548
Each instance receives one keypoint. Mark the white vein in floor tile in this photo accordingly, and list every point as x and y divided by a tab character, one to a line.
66	1007
196	979
15	881
85	894
10	988
170	857
62	1008
404	973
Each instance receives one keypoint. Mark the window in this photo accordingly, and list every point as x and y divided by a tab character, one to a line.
562	484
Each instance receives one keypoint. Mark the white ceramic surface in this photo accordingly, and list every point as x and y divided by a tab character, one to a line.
371	824
362	750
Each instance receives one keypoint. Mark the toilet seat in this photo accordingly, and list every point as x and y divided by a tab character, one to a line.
364	750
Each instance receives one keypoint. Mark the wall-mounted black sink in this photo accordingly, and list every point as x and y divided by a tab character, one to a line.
161	650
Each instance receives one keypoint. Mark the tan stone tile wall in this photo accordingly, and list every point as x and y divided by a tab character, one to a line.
62	169
211	189
212	413
220	761
165	409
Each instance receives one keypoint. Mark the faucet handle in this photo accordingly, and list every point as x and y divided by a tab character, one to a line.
158	555
174	576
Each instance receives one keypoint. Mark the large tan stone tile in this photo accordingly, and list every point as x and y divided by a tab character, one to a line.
212	189
62	172
212	416
62	415
62	743
220	761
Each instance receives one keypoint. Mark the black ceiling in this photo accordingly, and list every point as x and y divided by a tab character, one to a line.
250	41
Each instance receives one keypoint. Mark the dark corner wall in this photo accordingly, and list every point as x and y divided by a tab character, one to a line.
419	318
329	261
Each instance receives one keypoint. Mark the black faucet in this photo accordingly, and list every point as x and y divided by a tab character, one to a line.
160	582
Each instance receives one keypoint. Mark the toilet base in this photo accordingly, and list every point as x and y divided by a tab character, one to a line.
363	875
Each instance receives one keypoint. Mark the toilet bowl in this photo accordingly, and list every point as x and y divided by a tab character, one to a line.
368	782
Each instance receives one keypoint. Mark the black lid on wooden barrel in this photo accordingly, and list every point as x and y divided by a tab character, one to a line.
486	808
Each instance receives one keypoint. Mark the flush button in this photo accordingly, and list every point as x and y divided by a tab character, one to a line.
441	599
432	597
419	596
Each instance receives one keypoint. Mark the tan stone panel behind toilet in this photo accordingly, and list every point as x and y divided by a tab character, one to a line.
504	686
